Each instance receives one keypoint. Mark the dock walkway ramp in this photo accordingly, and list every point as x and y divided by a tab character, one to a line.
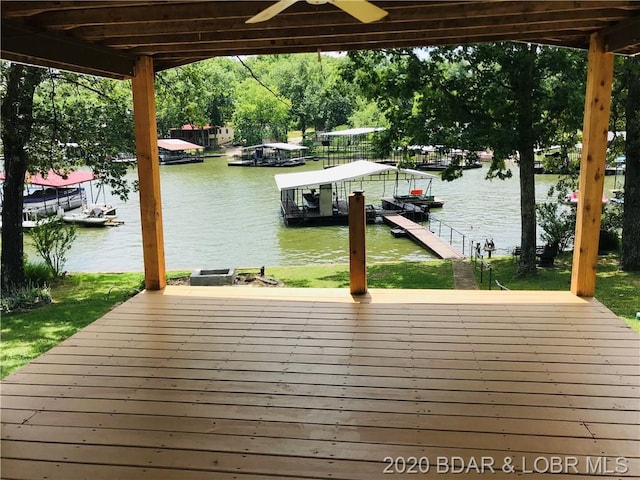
423	236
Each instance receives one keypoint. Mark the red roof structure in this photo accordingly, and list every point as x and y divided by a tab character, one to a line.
52	179
188	126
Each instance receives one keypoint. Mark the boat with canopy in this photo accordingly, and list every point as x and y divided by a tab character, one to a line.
271	155
319	197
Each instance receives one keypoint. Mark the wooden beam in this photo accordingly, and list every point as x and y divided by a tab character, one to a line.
148	174
37	47
433	18
623	35
357	244
197	39
344	35
592	167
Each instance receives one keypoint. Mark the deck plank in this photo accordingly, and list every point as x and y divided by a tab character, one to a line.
197	382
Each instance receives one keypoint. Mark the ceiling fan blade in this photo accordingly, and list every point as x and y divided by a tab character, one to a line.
363	10
271	11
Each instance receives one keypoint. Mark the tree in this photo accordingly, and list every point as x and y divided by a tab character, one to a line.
196	94
17	122
260	114
630	258
319	98
57	120
511	98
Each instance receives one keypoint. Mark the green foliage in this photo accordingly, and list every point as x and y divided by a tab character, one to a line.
507	97
259	114
609	241
610	228
367	114
468	97
630	260
25	298
38	273
557	223
196	94
318	95
82	121
53	239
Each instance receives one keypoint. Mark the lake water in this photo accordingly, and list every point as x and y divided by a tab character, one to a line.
216	216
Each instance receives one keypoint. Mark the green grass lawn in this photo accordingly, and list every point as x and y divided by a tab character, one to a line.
619	291
433	274
80	299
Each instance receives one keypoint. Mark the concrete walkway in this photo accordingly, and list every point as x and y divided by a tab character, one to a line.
463	278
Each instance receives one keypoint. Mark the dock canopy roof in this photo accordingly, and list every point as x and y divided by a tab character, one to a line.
353	131
278	146
340	173
175	144
52	179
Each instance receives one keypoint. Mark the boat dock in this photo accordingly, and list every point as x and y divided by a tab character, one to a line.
422	236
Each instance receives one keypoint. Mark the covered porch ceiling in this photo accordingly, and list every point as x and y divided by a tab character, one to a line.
106	37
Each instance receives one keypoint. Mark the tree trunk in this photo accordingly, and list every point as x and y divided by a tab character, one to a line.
528	236
17	119
630	258
524	85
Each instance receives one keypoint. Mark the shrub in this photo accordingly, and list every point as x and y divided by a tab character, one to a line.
558	225
52	240
38	273
25	298
609	241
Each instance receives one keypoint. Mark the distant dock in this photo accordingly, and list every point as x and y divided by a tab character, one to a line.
423	236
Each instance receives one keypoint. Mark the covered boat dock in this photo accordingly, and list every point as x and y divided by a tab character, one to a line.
344	146
276	154
173	151
319	197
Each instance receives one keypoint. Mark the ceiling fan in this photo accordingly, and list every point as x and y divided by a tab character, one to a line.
363	10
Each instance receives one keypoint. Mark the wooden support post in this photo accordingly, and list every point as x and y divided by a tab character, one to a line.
357	244
592	168
148	174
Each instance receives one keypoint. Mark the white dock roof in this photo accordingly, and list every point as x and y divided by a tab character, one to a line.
278	146
340	173
353	131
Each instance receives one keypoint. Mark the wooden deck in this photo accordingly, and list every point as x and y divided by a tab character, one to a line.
423	236
263	383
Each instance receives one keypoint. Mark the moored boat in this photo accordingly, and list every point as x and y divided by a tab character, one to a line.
173	151
97	215
573	198
55	192
320	197
271	155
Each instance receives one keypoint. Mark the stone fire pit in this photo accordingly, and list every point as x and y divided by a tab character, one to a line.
213	277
